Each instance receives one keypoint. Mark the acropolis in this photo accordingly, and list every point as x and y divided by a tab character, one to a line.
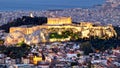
40	33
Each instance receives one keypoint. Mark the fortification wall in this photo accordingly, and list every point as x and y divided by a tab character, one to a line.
85	30
13	29
26	30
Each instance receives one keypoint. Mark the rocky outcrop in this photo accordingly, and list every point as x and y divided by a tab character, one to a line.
36	37
37	34
33	38
14	38
18	36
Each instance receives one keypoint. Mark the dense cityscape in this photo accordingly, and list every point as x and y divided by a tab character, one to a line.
61	38
105	14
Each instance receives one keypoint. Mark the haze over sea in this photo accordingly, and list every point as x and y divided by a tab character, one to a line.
47	4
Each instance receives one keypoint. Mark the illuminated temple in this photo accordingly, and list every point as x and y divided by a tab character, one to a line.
59	21
40	33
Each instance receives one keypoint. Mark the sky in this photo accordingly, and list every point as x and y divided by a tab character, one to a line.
46	4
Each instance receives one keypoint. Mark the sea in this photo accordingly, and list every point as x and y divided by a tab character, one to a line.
47	4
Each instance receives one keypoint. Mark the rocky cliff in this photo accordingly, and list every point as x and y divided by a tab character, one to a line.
37	34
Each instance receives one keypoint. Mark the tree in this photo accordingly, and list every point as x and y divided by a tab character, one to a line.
17	52
78	55
86	47
2	48
1	42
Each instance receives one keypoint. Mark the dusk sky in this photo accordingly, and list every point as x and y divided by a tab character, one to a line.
46	4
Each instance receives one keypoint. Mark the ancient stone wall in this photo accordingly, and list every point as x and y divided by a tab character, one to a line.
87	29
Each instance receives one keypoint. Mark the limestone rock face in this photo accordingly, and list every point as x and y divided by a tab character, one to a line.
36	37
14	38
85	34
33	38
